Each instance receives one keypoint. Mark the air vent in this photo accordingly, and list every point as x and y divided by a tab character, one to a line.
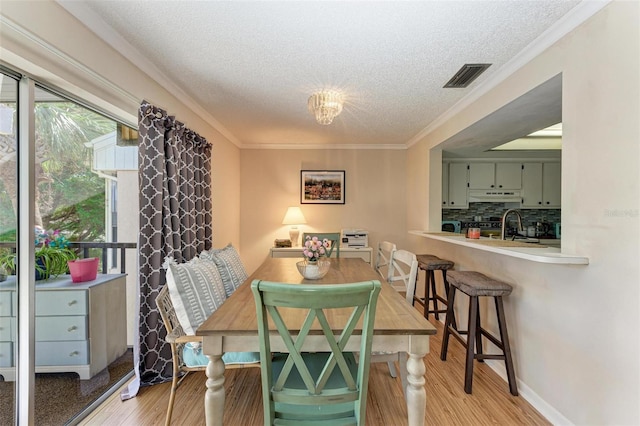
466	75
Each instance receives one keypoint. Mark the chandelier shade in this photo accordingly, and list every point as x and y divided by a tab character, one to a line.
325	105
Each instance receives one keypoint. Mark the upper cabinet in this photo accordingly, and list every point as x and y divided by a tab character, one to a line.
541	183
495	175
454	186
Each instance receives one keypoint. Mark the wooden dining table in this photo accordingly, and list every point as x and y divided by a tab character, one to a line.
234	328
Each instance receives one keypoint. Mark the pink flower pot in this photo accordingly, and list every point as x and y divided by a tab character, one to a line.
83	269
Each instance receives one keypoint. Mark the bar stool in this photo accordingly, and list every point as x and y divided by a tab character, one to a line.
429	264
475	284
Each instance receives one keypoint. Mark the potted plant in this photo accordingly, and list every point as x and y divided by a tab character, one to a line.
51	255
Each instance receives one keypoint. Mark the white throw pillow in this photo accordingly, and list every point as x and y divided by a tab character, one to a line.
196	291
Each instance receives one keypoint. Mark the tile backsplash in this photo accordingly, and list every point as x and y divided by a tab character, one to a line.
486	210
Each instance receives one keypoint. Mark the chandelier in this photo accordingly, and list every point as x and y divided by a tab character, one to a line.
325	105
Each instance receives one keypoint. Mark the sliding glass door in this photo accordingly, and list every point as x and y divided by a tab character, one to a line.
59	165
8	226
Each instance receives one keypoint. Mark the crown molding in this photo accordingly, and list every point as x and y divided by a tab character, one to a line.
325	146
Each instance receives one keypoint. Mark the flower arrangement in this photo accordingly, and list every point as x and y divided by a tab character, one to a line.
53	239
314	249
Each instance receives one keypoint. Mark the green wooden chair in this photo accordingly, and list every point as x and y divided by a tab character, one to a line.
317	388
334	237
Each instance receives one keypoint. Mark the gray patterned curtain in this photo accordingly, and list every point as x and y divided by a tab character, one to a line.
175	220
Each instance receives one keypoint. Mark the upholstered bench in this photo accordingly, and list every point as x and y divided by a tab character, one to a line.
475	285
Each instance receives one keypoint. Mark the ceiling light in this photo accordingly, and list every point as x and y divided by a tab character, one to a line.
325	105
549	138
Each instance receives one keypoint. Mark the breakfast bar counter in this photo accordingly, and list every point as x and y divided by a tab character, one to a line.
528	251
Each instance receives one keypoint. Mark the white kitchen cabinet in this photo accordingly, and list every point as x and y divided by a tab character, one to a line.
457	186
482	175
551	185
80	327
541	183
500	175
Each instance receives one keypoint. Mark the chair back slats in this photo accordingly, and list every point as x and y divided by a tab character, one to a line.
403	269
320	379
170	321
334	237
383	258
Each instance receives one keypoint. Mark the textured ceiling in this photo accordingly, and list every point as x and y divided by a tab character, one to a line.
252	65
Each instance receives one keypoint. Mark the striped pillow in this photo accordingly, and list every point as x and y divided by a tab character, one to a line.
196	291
229	265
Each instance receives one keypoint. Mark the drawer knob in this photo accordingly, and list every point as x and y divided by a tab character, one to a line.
73	302
72	328
74	353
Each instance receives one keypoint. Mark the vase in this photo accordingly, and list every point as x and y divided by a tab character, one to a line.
41	274
314	270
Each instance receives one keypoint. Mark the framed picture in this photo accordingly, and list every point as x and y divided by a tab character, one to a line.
322	186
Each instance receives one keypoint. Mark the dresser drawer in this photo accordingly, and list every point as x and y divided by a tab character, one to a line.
62	353
6	305
61	303
7	329
61	328
6	354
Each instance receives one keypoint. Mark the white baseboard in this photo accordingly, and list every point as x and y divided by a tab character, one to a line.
525	392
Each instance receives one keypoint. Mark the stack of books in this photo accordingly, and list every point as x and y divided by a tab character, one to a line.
282	243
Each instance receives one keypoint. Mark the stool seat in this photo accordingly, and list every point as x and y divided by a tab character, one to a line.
429	262
476	284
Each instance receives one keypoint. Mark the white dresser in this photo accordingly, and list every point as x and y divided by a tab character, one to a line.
80	328
364	253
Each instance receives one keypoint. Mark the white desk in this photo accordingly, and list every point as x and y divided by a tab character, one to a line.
364	253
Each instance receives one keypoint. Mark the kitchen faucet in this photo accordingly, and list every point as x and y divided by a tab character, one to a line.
504	221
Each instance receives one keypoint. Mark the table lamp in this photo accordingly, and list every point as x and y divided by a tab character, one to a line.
294	217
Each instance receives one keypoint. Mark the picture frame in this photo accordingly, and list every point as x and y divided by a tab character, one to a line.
322	187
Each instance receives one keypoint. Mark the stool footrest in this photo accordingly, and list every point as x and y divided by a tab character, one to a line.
489	356
458	335
491	337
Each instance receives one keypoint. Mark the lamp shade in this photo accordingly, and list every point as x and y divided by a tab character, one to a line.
294	216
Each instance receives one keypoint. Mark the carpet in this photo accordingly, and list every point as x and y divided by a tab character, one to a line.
59	397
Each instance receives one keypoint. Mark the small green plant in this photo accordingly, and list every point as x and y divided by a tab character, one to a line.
51	255
7	262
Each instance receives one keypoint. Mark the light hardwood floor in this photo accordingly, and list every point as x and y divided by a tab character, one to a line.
447	404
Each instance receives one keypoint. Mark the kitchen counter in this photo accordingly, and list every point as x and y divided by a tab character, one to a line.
529	251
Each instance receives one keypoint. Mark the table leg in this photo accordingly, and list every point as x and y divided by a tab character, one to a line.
214	396
416	393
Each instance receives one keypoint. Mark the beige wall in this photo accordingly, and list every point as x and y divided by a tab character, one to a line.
574	328
270	179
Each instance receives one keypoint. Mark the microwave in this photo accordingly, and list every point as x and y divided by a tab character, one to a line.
452	226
